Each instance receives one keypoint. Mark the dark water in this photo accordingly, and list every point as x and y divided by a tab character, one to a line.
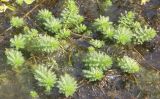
115	85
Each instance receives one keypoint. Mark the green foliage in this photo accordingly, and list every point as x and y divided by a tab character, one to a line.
30	34
96	43
14	58
64	33
44	14
93	74
53	25
128	65
18	41
140	34
33	94
91	49
20	2
98	59
123	35
80	28
17	22
104	4
43	43
127	19
67	85
29	1
144	34
70	16
103	25
109	32
45	77
107	3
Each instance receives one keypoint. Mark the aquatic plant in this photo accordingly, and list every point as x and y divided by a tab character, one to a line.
128	65
80	28
103	25
43	43
127	19
144	1
70	15
34	94
103	5
142	35
67	85
106	3
30	33
91	49
20	2
44	14
18	41
63	33
109	32
29	1
96	43
53	25
14	58
123	35
17	22
98	59
93	74
45	77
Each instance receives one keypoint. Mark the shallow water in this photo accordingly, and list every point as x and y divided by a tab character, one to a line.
145	84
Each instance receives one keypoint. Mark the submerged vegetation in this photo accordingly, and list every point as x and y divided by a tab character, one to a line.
67	85
98	59
129	65
20	2
17	22
45	77
54	37
14	58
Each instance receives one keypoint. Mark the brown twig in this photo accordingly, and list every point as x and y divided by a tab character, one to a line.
145	59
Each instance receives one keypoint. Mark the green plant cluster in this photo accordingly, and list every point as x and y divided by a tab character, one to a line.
17	22
103	25
104	4
70	21
47	78
143	34
95	63
128	65
127	19
43	43
67	85
49	41
14	58
20	2
18	41
34	94
34	42
70	15
123	35
96	43
128	30
44	14
93	74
